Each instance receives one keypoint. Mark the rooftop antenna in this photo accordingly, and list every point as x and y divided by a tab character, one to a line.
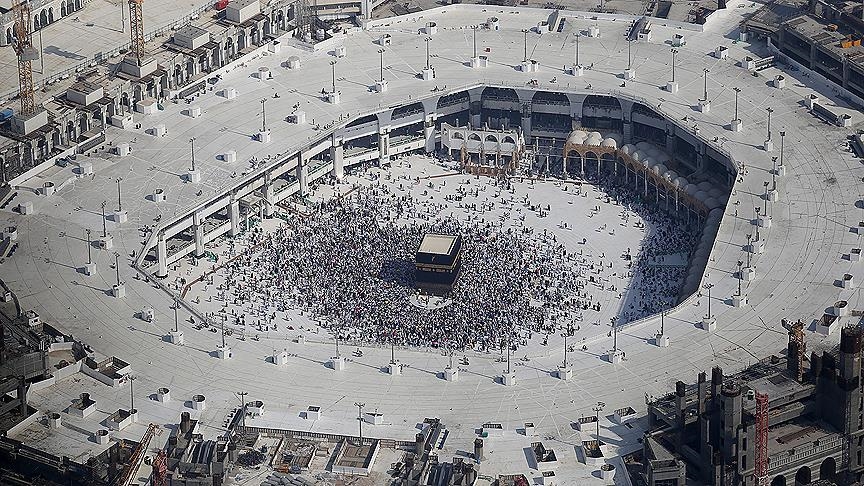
525	56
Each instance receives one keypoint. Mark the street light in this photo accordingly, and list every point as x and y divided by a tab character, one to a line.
597	409
769	110
749	237
428	66
381	52
674	52
740	276
119	200
737	90
709	287
242	395
705	89
104	225
629	57
89	247
360	420
132	378
333	66
525	56
192	145
578	35
475	41
263	116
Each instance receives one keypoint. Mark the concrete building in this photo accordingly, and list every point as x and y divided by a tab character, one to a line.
709	430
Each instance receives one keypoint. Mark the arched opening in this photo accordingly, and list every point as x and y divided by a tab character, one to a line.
77	4
779	481
509	139
36	23
492	93
550	98
190	67
491	138
474	137
178	75
8	36
453	99
62	9
802	477
407	110
70	6
458	136
124	101
255	36
241	40
83	124
280	20
828	469
50	14
43	17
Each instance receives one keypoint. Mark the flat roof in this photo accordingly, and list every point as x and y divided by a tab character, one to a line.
437	244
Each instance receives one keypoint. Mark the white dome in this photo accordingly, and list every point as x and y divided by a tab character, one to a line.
691	189
716	192
681	182
711	203
670	175
659	169
596	134
647	162
705	186
593	141
701	196
638	155
653	152
628	149
617	137
609	142
643	145
577	137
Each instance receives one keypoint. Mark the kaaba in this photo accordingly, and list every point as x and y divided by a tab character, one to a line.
437	263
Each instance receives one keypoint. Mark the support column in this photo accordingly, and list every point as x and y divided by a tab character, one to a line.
383	145
234	215
302	175
526	120
269	197
198	224
337	155
161	256
429	133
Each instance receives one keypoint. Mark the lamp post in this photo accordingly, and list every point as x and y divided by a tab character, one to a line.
774	170
674	52
737	90
119	200
578	35
629	57
89	247
381	55
765	209
475	41
769	110
740	276
525	56
242	395
333	68
597	409
749	237
132	378
176	316
567	332
360	420
705	89
117	266
709	287
104	225
263	116
428	66
756	231
192	149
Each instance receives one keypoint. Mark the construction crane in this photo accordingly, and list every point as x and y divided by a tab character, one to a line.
26	55
137	457
136	24
160	469
761	469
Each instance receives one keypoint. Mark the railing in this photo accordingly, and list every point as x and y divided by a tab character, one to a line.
803	452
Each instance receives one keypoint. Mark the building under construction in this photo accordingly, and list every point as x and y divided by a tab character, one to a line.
784	420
